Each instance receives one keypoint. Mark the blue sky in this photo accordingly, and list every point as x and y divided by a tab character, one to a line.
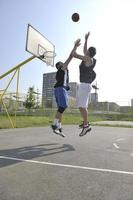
110	24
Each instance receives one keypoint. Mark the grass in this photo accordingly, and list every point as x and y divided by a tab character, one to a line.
68	118
38	121
24	121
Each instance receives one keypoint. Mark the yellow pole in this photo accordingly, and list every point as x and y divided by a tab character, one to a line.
8	84
8	114
5	74
1	99
17	66
17	95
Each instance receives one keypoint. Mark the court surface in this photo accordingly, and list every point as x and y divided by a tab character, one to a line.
35	164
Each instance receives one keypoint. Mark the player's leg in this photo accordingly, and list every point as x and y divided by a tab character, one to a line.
62	102
55	123
84	114
57	126
82	103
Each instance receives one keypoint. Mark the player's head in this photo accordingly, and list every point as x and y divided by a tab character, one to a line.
92	52
59	64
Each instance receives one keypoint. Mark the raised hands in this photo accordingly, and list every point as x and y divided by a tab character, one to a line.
87	35
77	43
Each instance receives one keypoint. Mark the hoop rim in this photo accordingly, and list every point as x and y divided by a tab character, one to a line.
51	54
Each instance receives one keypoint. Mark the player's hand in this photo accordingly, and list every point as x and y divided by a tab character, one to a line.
77	42
87	35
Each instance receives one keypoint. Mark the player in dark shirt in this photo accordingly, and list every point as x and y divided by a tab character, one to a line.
87	76
61	90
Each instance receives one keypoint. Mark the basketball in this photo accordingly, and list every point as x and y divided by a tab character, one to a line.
75	17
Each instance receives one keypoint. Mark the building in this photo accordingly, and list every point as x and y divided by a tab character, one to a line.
72	91
48	89
93	98
131	102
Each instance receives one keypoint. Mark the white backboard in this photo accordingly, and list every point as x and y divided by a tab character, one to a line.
38	45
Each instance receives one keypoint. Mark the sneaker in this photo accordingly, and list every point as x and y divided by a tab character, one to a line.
61	134
57	130
81	125
54	127
85	130
60	129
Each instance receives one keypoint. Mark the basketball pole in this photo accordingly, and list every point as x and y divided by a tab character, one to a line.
16	69
17	66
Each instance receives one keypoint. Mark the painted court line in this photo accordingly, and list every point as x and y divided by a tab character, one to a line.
116	145
120	139
68	166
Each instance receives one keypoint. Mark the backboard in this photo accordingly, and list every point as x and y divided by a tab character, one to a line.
39	46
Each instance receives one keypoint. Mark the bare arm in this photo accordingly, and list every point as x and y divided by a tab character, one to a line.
81	57
65	65
85	44
86	59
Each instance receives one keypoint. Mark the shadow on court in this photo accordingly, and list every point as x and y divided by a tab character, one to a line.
32	152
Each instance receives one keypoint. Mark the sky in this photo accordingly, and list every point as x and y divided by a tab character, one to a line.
111	32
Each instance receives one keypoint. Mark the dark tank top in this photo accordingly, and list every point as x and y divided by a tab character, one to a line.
87	74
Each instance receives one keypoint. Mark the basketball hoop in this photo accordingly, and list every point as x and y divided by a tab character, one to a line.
49	54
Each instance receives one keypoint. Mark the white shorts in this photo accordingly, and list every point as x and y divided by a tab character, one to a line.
83	94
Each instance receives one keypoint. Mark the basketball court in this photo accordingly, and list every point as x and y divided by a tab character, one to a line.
37	164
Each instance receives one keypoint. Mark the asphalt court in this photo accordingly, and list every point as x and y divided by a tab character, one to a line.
36	164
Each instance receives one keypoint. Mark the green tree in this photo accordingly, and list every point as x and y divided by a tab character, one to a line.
30	99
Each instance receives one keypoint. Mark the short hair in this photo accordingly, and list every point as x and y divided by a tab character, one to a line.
58	64
92	51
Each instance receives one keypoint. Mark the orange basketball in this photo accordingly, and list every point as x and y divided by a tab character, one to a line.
75	17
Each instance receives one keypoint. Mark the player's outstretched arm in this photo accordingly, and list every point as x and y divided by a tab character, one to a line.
86	59
71	55
85	44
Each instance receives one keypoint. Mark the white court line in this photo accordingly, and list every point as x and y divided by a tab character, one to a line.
120	139
68	166
116	145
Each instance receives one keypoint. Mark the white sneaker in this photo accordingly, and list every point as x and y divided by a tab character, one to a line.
57	130
85	130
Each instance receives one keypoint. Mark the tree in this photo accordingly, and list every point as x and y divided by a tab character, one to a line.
30	98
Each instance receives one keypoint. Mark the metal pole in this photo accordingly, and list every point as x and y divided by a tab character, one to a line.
17	66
